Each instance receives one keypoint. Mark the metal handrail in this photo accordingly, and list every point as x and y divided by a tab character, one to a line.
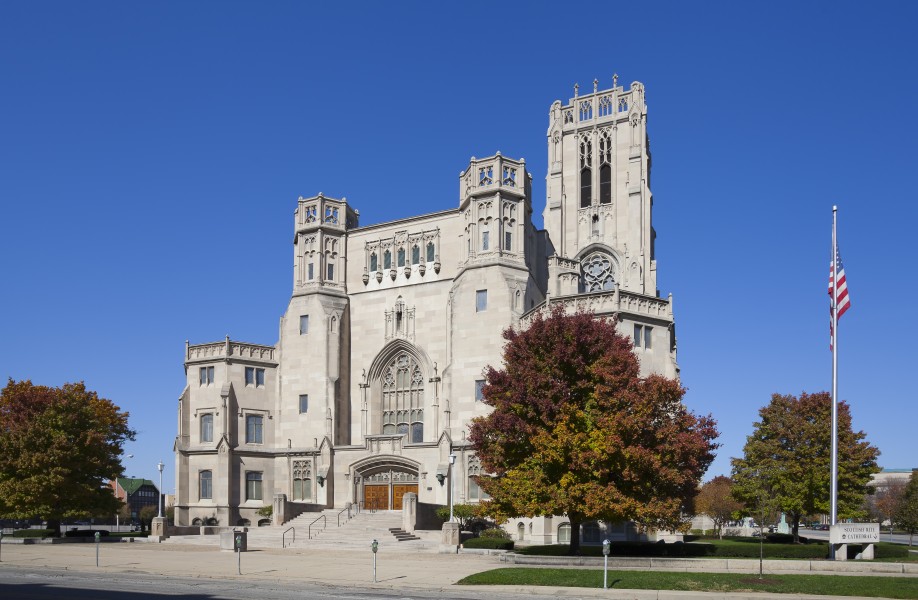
324	525
348	509
284	536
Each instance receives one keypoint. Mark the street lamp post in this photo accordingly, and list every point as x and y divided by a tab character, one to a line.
452	460
160	490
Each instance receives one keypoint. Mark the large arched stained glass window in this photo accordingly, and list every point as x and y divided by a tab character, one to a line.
598	273
403	398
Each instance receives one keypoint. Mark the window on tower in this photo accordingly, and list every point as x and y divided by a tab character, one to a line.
586	188
605	184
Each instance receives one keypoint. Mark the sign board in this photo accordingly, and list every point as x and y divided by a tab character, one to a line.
855	533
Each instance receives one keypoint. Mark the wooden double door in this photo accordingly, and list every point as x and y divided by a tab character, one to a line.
378	496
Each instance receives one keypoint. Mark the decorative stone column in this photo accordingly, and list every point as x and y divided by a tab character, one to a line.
409	512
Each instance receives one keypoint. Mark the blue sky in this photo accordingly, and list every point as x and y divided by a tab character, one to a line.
151	155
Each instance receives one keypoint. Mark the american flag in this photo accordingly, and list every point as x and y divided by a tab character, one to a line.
837	292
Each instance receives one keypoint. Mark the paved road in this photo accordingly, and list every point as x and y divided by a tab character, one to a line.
30	584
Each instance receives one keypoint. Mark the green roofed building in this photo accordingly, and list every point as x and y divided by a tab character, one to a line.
136	493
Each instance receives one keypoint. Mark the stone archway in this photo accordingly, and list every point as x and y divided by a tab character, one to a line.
381	484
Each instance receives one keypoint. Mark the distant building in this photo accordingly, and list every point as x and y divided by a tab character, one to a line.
136	493
881	480
377	371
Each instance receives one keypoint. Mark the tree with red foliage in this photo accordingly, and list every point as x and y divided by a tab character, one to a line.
576	431
716	501
58	449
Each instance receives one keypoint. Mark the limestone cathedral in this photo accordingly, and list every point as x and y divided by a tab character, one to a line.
377	371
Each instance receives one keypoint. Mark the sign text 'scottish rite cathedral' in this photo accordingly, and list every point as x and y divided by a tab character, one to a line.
378	367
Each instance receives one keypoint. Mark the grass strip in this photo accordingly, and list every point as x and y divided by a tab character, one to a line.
828	585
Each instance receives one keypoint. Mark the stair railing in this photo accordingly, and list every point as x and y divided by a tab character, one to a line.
324	525
284	537
342	511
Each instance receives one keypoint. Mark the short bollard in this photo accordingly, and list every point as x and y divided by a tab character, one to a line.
98	537
375	548
605	566
238	545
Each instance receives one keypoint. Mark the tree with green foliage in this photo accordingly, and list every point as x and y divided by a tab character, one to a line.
715	499
575	430
463	513
58	449
789	453
146	515
906	515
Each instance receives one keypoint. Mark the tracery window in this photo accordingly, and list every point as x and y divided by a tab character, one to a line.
401	257
430	252
598	273
403	398
374	263
586	173
302	481
415	255
387	260
605	169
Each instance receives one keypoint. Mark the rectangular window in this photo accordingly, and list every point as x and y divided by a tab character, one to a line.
637	336
508	238
304	324
430	252
207	375
205	485
485	239
253	485
481	300
479	385
254	376
415	255
331	273
647	337
254	429
207	428
304	403
401	257
310	274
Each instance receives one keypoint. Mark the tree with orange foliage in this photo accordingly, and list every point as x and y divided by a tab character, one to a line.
577	431
58	449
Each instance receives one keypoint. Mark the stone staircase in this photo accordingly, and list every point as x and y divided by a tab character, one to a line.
311	530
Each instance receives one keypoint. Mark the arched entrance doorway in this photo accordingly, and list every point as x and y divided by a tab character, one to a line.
383	484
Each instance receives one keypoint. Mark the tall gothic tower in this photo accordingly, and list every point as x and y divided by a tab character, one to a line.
598	217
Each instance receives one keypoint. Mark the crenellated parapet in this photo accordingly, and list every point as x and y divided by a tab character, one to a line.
616	302
495	175
229	349
599	107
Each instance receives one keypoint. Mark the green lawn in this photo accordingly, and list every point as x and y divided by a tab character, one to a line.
831	585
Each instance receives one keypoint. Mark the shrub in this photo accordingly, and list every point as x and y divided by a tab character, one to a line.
32	533
489	543
86	533
887	550
494	533
626	549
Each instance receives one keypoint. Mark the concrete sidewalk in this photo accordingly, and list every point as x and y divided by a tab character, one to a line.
396	571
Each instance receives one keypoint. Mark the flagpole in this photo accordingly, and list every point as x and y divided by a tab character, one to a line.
834	490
